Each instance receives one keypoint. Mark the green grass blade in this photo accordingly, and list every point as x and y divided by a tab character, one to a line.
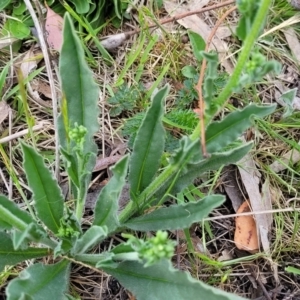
48	199
3	75
148	145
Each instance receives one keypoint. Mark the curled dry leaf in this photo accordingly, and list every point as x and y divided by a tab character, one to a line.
245	236
114	41
30	61
4	110
54	26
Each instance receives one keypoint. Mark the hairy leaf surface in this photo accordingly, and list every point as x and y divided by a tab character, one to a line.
176	216
148	145
10	257
106	210
48	199
39	281
161	281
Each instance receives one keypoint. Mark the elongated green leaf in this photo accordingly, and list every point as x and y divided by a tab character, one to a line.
48	199
222	133
89	239
71	166
192	171
187	151
106	210
10	257
198	44
40	282
4	3
148	145
82	6
292	270
33	232
161	281
176	216
12	215
78	86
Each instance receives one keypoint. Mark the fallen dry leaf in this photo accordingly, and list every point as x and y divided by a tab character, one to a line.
251	177
226	255
104	162
231	186
30	61
293	42
245	236
4	110
114	41
41	87
290	158
54	27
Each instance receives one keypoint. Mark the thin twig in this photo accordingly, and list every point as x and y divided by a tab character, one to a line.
177	17
50	77
251	213
259	281
201	102
40	126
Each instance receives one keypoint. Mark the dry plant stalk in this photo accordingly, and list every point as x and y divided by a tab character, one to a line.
201	103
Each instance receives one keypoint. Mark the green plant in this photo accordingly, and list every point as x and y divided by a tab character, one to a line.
125	98
55	229
94	14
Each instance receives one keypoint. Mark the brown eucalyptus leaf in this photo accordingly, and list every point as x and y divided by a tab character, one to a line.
245	236
54	26
251	178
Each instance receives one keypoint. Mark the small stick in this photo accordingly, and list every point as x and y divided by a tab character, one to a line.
16	135
176	18
253	213
201	103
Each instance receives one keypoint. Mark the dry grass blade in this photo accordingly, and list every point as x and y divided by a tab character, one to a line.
50	76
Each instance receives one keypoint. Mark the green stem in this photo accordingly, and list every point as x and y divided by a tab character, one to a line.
219	102
145	198
80	203
244	56
96	258
132	207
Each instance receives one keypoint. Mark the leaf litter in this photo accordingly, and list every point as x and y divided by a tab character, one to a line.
251	179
